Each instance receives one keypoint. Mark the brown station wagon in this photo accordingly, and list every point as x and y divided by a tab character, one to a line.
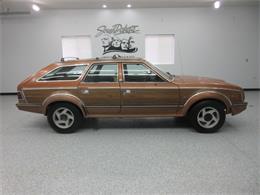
67	91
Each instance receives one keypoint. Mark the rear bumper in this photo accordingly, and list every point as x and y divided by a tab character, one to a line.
29	107
237	108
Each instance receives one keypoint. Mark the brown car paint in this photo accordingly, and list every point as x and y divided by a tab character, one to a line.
127	99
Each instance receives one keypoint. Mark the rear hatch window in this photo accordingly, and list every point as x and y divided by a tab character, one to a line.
64	73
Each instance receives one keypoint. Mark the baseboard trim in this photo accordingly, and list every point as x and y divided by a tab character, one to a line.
251	89
15	93
9	93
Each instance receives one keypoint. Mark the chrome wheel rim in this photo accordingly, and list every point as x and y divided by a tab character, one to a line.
208	117
63	118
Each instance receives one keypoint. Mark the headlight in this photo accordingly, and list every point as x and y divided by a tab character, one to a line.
237	96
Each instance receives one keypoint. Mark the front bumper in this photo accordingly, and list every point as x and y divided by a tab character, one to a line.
29	107
237	108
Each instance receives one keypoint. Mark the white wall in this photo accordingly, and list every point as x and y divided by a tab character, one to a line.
208	42
1	118
1	58
259	44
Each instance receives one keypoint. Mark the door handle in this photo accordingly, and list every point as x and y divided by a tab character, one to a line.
84	91
127	91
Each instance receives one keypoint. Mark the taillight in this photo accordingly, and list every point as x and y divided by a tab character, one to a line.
19	95
243	96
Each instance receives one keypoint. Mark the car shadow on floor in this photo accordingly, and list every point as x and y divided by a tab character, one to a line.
97	124
136	123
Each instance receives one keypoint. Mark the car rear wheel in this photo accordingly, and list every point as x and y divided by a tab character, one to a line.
64	117
207	116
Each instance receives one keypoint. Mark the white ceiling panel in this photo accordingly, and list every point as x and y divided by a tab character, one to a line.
24	5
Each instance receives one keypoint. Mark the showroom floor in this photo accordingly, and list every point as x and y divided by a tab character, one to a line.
129	156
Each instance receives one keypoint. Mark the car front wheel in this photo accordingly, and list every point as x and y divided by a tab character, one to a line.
207	116
64	117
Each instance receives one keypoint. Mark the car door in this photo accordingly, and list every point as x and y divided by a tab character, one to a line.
145	92
100	89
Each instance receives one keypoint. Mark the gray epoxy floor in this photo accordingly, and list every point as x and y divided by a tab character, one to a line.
129	156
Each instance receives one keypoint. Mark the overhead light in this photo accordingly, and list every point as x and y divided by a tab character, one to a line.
36	7
104	6
217	4
129	5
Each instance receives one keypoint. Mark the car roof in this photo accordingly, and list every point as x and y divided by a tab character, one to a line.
98	59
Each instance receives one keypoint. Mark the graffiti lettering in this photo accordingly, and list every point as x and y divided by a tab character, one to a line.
117	29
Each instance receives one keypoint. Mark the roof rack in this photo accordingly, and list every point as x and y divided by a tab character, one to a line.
68	59
116	56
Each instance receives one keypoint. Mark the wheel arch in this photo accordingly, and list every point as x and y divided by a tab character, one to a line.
63	98
204	96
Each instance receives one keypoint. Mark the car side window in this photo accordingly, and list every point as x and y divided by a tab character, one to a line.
102	73
140	73
64	73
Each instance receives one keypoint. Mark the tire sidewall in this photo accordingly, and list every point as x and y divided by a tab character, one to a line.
77	117
208	103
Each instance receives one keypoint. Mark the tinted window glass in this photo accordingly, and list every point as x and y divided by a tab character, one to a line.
64	73
140	73
102	73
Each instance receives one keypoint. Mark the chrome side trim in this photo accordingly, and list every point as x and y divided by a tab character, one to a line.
60	88
148	106
133	88
153	106
122	115
48	88
176	88
93	88
211	88
102	106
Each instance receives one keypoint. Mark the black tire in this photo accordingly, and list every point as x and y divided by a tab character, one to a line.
207	116
72	110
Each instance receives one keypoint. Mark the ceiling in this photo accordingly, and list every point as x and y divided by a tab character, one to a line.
25	5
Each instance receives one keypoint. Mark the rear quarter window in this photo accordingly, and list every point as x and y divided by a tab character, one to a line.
65	73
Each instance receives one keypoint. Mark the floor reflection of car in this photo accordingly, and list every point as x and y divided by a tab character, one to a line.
68	91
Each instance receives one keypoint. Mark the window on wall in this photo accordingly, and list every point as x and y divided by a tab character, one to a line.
76	46
159	49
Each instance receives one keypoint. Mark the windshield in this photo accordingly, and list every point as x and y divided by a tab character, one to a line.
167	75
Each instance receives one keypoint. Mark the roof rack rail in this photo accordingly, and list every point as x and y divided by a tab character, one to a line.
68	59
103	57
116	56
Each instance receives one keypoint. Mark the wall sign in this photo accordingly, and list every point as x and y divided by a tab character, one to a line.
118	38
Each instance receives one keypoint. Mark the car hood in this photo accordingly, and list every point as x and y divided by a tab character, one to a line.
203	81
195	79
